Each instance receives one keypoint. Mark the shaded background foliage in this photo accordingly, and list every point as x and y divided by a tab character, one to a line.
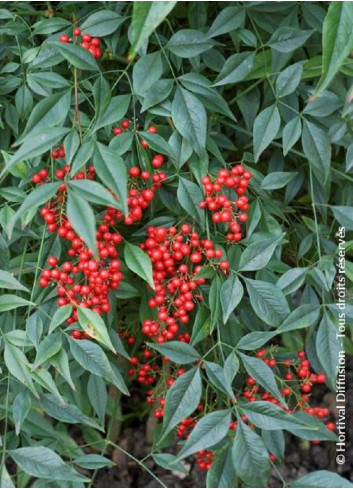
268	84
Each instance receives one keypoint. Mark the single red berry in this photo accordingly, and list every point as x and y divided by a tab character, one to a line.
64	38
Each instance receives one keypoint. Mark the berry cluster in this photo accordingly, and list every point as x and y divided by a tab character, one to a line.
87	42
177	257
226	200
86	280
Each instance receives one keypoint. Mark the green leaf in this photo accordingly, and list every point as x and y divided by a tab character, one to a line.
289	79
167	461
265	129
268	416
65	412
209	96
116	110
287	39
60	362
250	457
236	68
36	198
189	196
231	294
222	472
94	325
97	395
182	399
228	19
291	280
17	364
344	215
92	358
258	254
39	143
210	430
337	41
146	17
156	142
84	153
328	348
321	478
255	339
157	93
291	133
102	23
76	55
71	145
92	461
315	429
268	301
317	148
12	301
81	217
302	317
49	26
20	408
202	325
190	118
215	301
146	72
5	478
8	281
59	316
139	262
47	348
187	43
277	179
217	377
49	112
176	351
263	375
112	170
94	192
42	462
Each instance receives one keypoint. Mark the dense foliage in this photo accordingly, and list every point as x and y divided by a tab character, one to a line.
175	178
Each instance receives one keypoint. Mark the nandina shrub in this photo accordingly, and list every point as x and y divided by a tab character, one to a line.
176	180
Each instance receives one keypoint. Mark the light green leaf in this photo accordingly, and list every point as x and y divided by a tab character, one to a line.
146	17
82	219
42	462
94	325
139	262
337	41
12	301
8	281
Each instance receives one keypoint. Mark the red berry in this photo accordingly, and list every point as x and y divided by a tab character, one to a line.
64	38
